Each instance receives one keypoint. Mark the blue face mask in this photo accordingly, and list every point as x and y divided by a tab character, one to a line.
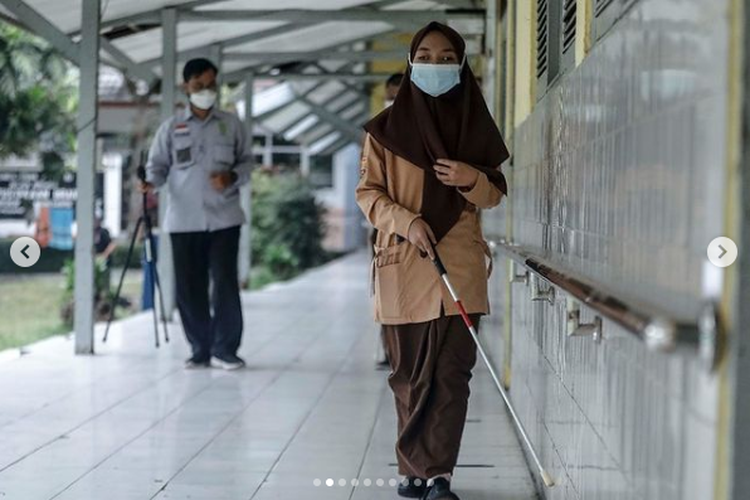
436	79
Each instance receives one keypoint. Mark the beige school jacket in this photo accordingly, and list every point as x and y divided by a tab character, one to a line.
406	287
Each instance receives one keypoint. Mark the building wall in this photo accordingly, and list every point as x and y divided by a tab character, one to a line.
619	176
345	229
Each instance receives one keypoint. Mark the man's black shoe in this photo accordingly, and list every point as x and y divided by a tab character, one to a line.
412	487
196	363
440	490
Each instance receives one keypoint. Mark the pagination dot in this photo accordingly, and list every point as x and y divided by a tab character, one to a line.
329	482
317	482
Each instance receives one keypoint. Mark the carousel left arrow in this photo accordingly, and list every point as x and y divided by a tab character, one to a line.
25	252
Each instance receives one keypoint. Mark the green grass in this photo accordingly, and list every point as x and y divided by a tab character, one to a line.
30	306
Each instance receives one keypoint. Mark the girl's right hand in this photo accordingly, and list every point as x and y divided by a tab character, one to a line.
422	237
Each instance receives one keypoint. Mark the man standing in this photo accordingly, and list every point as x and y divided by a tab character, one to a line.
201	156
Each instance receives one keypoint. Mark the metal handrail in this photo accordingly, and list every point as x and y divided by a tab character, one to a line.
659	330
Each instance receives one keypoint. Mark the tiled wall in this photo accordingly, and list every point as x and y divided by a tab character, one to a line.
618	177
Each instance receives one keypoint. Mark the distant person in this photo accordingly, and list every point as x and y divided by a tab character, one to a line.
429	163
202	157
104	246
391	90
392	85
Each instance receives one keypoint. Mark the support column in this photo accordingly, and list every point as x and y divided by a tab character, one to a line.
490	60
87	124
268	151
216	58
304	159
246	251
168	96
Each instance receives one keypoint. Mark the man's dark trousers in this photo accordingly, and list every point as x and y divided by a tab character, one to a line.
198	256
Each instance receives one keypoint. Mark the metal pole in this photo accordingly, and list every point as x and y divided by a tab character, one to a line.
268	151
407	18
216	57
490	61
304	161
246	193
168	96
87	124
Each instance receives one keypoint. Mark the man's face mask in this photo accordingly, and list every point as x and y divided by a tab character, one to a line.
205	99
436	79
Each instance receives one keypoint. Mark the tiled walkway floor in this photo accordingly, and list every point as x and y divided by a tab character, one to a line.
131	424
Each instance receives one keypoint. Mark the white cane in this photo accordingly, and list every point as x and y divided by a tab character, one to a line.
548	481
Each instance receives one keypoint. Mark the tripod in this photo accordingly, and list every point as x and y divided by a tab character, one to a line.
149	249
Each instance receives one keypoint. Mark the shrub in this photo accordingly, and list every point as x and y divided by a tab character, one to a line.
121	253
287	225
101	291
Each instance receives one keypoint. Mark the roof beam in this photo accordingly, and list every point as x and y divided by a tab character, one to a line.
128	65
314	149
260	35
321	130
149	16
409	17
325	104
292	101
358	77
459	4
335	147
239	74
315	55
341	124
39	25
283	106
325	128
353	88
344	141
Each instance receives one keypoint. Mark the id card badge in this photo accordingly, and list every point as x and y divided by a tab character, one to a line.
184	155
183	145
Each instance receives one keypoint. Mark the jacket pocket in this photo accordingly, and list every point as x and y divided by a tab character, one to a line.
389	275
388	256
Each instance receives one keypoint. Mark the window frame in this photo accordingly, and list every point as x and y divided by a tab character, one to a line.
552	50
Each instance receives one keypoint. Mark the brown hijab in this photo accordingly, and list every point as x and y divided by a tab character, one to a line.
456	126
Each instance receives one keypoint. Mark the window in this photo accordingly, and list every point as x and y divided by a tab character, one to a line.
321	171
542	38
569	26
547	44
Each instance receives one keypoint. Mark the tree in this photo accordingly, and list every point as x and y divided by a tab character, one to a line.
37	100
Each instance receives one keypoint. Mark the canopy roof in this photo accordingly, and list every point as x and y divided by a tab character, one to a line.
244	37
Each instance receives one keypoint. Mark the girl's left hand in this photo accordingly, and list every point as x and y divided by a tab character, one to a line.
456	173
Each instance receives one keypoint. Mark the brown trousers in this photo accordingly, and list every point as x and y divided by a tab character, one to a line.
431	367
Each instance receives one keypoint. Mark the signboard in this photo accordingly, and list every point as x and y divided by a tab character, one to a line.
22	192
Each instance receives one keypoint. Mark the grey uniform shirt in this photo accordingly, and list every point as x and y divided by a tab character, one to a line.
185	151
